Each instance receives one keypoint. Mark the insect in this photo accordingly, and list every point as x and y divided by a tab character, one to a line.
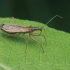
13	29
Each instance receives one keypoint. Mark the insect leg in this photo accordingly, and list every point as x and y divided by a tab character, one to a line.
36	41
14	19
11	34
38	35
34	34
26	42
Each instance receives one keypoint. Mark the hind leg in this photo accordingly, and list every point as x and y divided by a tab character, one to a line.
13	34
26	43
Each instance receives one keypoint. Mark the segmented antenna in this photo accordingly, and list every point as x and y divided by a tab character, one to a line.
53	18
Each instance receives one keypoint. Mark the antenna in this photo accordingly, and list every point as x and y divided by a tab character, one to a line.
53	18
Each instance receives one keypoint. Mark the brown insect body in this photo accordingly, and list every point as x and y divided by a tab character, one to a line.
13	28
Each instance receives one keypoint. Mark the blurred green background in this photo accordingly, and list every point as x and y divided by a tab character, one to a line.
38	10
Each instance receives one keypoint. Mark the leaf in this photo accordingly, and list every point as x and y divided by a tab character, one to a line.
12	48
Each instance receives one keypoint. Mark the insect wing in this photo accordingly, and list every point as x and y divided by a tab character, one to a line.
12	28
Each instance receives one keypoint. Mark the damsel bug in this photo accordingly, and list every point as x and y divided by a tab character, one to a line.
13	29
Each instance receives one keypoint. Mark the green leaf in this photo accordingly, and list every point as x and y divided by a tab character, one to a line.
56	47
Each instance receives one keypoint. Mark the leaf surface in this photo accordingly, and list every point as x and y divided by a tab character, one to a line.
56	47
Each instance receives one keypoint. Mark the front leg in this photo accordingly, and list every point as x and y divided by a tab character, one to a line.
38	35
36	41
